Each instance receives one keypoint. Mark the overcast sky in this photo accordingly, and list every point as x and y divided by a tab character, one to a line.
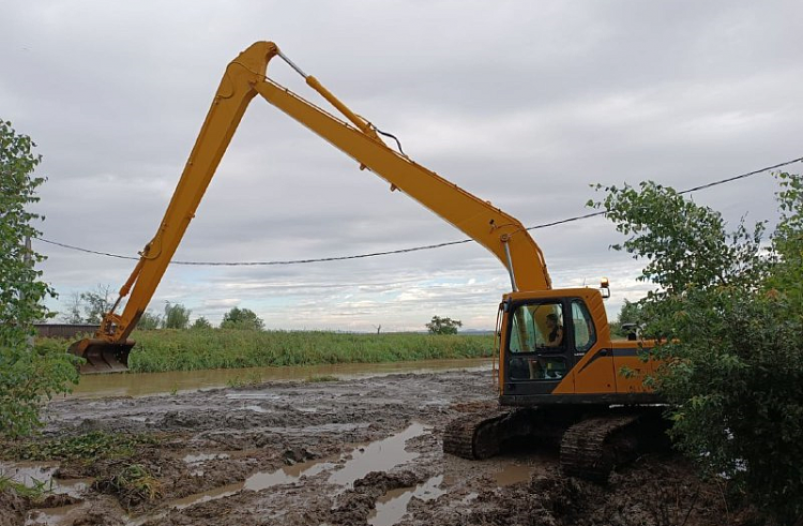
522	103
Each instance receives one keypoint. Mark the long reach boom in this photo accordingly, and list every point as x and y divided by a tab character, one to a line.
244	78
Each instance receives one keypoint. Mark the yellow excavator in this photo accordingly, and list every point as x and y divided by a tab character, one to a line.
559	370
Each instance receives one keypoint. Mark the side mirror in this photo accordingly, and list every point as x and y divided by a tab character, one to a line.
632	331
605	288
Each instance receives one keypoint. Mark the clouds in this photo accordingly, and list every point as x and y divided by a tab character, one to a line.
524	104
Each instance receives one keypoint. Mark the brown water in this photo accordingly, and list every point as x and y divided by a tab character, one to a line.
386	453
141	384
60	516
378	456
512	474
392	506
33	474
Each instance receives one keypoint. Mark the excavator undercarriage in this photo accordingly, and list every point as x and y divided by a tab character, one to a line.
593	440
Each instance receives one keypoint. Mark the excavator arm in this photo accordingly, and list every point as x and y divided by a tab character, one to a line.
245	77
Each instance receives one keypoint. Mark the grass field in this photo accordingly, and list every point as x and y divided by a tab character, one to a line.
186	350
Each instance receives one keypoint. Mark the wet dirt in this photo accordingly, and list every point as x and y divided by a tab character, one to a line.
352	452
143	384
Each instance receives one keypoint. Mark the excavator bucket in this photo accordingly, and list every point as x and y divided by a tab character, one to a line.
102	357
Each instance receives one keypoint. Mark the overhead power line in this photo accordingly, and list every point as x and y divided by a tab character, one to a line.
402	250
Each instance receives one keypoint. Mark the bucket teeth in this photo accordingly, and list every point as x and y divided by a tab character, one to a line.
101	356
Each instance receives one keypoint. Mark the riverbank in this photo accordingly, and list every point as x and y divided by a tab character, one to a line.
191	350
175	382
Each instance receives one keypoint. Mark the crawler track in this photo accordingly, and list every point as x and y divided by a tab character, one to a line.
591	443
591	448
480	435
474	436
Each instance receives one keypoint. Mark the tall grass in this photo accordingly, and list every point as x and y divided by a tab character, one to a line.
186	350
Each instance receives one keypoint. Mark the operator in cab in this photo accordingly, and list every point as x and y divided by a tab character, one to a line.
555	336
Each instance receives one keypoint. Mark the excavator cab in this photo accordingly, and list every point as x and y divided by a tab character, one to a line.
102	356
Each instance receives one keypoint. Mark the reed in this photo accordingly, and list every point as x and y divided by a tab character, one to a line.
186	350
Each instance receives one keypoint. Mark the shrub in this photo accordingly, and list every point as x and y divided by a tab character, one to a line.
27	375
731	318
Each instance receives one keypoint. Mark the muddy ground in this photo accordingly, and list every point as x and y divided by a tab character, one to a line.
349	452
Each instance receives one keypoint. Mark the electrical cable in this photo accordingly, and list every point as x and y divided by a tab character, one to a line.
403	250
398	142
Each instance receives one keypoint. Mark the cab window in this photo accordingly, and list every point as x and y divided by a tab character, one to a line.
536	326
537	343
585	335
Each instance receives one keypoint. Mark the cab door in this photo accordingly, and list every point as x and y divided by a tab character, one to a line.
593	357
535	362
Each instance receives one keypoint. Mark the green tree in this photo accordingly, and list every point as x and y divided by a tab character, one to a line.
177	316
787	255
242	319
731	319
27	376
440	325
73	310
149	321
96	303
201	323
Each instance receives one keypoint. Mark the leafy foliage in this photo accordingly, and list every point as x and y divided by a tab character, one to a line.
96	303
738	393
133	484
35	492
21	292
149	321
172	350
787	241
440	325
27	376
731	317
90	447
242	319
201	323
72	312
177	316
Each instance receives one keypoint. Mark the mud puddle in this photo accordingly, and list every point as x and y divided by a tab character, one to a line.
40	475
510	474
344	471
257	482
59	516
377	456
392	506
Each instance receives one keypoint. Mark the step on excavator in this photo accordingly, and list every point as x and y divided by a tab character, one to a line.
559	372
